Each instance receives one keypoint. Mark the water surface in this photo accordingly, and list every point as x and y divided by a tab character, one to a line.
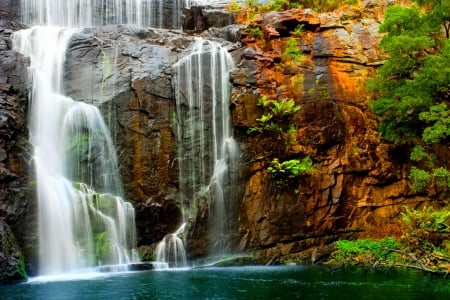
292	282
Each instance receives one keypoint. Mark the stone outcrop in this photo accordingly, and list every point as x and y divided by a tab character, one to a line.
200	18
9	10
16	212
360	183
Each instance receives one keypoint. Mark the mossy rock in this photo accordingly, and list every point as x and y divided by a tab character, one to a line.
12	262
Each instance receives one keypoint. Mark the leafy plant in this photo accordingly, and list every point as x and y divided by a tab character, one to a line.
439	119
292	55
418	153
255	32
234	7
290	168
298	31
427	228
286	172
420	178
276	120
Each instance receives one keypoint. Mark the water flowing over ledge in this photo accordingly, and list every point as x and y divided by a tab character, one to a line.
83	220
95	13
208	154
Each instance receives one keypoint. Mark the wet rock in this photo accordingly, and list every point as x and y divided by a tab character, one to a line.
12	263
17	209
200	18
9	10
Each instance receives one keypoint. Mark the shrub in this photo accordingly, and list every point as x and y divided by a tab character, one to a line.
276	120
292	55
287	173
290	168
255	32
371	249
427	229
420	178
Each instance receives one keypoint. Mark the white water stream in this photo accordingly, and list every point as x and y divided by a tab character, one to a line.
95	13
208	154
79	227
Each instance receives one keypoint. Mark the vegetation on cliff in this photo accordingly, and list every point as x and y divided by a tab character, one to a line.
424	244
411	92
412	88
253	7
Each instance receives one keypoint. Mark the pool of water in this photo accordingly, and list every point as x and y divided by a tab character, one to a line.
286	282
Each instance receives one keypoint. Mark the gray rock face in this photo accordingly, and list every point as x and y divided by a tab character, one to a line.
9	9
199	18
14	154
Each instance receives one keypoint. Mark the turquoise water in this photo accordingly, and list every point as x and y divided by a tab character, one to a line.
292	282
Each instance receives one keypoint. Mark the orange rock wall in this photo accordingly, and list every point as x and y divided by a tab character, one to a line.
360	184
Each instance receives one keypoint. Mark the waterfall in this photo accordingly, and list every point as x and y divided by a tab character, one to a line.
208	154
83	221
95	13
171	250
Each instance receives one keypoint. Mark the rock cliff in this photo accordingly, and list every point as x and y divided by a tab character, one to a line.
360	183
16	208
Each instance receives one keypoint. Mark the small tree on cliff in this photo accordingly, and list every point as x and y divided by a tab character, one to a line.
438	11
412	88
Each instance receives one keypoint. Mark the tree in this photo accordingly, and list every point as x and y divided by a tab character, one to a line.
439	12
398	100
412	89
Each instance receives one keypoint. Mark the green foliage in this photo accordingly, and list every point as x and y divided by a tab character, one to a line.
290	168
400	98
284	108
102	247
255	32
442	176
439	11
279	5
234	7
292	55
298	31
412	88
420	178
372	249
426	229
326	5
288	172
418	153
276	120
251	3
439	119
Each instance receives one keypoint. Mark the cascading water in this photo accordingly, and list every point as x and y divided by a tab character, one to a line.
171	250
83	221
95	13
208	154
